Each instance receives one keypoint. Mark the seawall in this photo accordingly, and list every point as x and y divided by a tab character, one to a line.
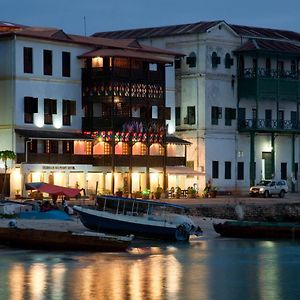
289	212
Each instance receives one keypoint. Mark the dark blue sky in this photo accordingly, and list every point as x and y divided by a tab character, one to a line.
125	14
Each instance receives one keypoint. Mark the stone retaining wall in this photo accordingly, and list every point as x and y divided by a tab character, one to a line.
259	212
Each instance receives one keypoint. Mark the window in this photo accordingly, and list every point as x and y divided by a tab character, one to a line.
240	171
30	107
215	169
230	114
216	114
177	116
47	62
191	60
27	60
191	115
66	64
177	63
168	113
284	171
215	60
294	119
227	169
69	109
293	67
50	146
228	61
49	110
280	68
68	147
280	119
32	146
254	66
268	66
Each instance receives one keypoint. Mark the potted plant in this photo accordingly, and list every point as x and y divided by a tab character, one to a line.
178	192
191	192
146	194
17	194
119	192
212	192
158	192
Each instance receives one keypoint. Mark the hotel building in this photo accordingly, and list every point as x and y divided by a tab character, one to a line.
86	112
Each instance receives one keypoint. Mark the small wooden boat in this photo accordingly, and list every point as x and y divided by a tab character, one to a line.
252	229
143	218
63	240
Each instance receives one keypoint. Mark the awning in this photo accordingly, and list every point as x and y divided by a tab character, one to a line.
177	170
58	134
52	189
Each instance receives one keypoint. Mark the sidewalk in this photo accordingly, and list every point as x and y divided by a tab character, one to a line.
234	199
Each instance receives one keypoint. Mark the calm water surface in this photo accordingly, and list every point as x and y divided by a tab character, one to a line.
202	269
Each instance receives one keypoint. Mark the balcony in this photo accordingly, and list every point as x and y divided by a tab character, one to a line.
271	84
268	126
54	158
99	160
95	74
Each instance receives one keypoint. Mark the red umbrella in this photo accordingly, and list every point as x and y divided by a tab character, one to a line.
52	189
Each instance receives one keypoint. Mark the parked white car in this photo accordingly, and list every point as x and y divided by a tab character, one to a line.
268	188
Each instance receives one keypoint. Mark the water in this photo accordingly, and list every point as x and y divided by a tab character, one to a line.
216	268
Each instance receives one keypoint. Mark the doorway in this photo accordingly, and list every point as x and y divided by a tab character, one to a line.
267	165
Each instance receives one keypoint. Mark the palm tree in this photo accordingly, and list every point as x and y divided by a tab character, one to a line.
4	156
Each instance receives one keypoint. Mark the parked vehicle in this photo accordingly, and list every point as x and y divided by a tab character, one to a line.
268	188
143	218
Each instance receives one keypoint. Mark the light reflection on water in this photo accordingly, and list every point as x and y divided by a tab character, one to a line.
202	269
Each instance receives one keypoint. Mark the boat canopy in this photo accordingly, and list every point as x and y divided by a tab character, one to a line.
142	201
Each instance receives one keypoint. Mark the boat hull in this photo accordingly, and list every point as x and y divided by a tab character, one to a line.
60	240
110	225
244	229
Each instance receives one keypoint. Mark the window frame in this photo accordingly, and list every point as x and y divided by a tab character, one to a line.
48	62
66	64
28	60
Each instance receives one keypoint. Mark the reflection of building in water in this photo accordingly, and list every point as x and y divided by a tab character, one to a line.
98	277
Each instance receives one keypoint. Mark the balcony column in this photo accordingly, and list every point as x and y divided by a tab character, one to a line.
147	167
252	158
165	175
130	170
273	154
293	163
113	166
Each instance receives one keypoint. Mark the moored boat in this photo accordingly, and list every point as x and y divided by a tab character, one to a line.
30	238
254	229
143	218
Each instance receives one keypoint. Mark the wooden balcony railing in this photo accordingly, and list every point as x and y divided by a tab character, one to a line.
99	160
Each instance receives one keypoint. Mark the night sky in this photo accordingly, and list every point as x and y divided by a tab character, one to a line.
87	17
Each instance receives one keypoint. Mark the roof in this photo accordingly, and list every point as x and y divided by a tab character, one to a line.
269	46
201	27
172	139
126	53
40	134
55	34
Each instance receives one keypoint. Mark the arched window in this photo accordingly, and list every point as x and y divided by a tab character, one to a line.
228	61
215	59
191	60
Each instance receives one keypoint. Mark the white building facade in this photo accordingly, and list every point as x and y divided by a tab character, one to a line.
236	99
49	120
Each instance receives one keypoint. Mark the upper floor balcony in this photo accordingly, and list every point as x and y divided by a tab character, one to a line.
100	160
268	83
128	74
268	126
